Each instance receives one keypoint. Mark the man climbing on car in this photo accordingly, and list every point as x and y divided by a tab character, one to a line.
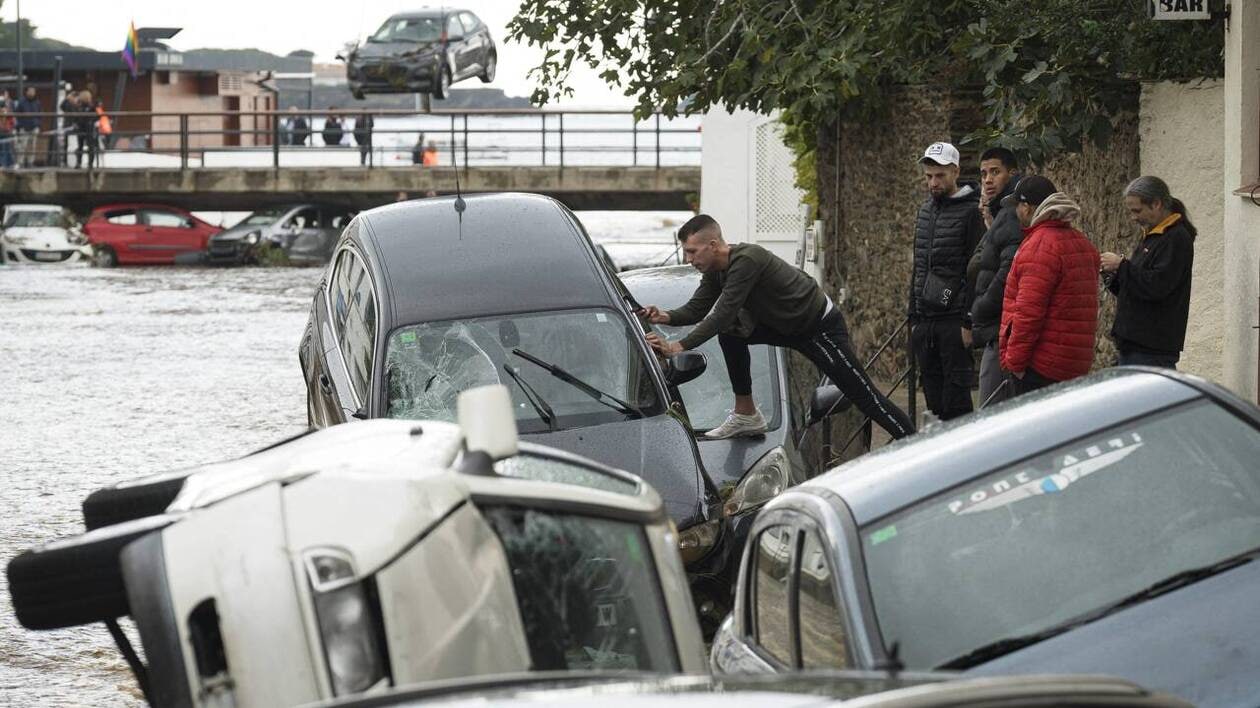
750	296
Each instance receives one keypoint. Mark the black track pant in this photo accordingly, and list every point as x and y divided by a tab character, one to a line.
945	366
827	346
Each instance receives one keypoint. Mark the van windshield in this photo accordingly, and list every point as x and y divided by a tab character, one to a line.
31	219
409	29
428	365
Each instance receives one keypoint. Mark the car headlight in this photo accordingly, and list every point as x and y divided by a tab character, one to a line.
760	484
695	542
17	240
251	238
349	621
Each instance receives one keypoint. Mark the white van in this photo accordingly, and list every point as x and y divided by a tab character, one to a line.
372	555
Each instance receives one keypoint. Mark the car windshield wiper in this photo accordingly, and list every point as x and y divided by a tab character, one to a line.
1173	582
608	400
540	405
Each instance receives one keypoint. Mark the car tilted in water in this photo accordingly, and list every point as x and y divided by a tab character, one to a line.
424	299
41	233
304	233
1107	525
370	555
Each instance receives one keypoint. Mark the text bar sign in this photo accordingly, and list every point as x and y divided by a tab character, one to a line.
1180	10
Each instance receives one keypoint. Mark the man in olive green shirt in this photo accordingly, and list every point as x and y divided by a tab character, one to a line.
750	296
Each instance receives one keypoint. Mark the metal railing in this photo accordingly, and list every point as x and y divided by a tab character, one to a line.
909	376
191	140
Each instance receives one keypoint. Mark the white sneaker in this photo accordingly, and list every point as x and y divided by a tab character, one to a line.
738	424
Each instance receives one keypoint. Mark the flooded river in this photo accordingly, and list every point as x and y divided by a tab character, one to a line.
114	374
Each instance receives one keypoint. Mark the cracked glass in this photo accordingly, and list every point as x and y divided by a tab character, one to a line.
428	365
588	592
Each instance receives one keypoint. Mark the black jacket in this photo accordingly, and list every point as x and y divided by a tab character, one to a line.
990	266
363	129
1152	289
945	235
333	131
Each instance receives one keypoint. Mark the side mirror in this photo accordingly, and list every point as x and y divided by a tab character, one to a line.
685	366
361	414
825	401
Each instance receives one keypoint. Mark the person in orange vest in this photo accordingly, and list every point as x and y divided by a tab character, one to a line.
104	126
430	157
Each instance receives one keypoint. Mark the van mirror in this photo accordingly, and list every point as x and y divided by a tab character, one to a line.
685	366
826	401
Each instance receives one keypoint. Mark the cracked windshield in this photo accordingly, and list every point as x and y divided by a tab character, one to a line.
1066	533
428	365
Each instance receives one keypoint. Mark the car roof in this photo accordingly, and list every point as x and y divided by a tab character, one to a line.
139	205
505	253
34	207
427	12
664	285
950	454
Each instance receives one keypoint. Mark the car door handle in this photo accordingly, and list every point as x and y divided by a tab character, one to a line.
324	384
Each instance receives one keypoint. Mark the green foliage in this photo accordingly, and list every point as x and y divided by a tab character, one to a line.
1055	73
30	40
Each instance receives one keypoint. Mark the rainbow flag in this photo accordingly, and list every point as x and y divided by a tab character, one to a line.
130	49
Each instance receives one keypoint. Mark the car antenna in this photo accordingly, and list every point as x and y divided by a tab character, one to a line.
892	663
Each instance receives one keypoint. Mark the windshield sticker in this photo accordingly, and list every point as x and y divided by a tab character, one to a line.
407	337
884	534
1031	483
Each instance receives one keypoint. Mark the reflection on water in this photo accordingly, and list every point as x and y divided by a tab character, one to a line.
113	374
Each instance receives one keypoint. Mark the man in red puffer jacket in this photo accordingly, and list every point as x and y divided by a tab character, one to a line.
1050	306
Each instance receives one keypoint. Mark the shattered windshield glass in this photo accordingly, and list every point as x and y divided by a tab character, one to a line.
428	365
708	397
1030	547
588	591
34	219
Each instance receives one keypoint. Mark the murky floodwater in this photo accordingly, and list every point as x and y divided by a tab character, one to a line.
107	375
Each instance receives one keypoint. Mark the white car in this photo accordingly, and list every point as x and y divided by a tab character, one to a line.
378	554
41	233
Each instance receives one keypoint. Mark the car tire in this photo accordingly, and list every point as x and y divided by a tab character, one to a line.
115	505
443	89
75	581
104	257
492	65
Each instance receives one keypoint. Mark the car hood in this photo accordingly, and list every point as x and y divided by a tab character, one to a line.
240	231
1199	643
728	460
51	235
658	449
394	50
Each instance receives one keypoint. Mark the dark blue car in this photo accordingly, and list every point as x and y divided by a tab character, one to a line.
1104	526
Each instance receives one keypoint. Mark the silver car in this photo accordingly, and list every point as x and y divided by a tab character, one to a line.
305	233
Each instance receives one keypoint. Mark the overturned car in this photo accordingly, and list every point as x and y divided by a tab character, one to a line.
363	556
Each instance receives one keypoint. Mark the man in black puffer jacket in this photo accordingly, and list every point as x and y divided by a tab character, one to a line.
945	235
992	262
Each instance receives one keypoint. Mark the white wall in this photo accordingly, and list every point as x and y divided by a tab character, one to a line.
747	181
1241	268
1180	133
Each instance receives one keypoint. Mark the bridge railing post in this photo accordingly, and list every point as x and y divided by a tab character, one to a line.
454	156
543	131
275	141
465	141
561	141
634	140
183	141
658	141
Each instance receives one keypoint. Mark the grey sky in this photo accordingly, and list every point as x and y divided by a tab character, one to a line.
281	26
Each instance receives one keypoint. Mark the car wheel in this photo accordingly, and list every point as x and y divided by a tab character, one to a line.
75	581
115	505
443	89
104	257
492	64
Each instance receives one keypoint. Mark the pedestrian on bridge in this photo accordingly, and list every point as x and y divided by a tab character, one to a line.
84	122
750	296
28	127
363	136
333	130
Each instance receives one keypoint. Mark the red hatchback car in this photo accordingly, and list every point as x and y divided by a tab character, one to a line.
144	234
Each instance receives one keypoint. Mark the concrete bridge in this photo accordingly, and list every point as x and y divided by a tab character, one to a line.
248	188
242	160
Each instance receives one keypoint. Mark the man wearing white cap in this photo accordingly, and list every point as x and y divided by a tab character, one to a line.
948	227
